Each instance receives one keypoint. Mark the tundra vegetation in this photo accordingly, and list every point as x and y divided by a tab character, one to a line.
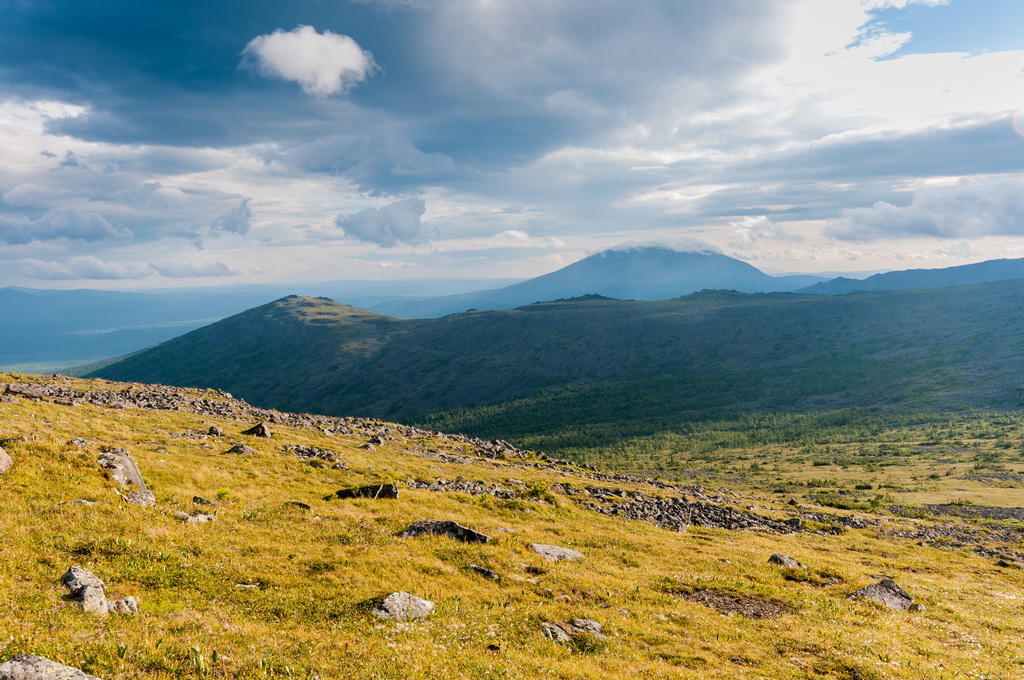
283	582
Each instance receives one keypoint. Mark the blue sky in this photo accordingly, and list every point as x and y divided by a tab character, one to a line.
171	144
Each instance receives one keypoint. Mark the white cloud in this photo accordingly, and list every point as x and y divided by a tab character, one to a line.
396	223
322	64
969	209
56	224
750	229
84	267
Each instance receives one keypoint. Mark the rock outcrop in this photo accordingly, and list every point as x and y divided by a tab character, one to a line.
5	462
555	553
370	491
886	593
402	606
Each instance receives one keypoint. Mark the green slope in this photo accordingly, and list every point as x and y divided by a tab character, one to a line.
601	371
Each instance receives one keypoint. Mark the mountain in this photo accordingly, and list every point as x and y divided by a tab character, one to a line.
602	371
636	273
962	275
48	330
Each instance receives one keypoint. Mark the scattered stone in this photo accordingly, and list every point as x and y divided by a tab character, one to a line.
784	561
79	442
459	485
554	553
368	447
314	455
199	519
301	506
242	450
141	498
259	430
5	462
484	571
122	468
31	667
82	501
886	593
86	590
402	606
371	491
199	500
916	608
565	631
123	605
215	431
452	530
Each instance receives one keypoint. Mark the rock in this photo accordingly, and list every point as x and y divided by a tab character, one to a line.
141	498
30	667
91	599
794	523
78	442
554	553
199	519
301	506
259	430
199	500
123	605
372	491
402	606
122	469
916	608
565	631
82	501
447	528
215	431
242	450
76	577
5	462
887	593
483	571
784	561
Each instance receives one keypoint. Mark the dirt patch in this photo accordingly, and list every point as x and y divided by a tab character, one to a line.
751	607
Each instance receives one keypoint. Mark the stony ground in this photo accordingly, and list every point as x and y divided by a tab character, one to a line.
295	545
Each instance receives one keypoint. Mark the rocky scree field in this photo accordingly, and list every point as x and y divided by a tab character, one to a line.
355	548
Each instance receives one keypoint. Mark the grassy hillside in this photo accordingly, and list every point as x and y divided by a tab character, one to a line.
591	374
270	590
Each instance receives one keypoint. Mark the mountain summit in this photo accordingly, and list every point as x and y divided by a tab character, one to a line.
625	273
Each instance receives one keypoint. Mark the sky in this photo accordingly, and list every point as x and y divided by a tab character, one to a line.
171	144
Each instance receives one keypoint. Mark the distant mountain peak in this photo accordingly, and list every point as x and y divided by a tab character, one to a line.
676	244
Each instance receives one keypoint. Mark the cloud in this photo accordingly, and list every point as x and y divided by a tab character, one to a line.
84	267
751	228
323	64
89	267
968	209
396	223
180	270
236	221
56	224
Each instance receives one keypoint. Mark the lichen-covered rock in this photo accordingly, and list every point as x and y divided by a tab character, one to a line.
566	630
122	468
123	605
402	606
886	593
141	498
452	530
555	553
259	430
76	577
5	462
242	450
31	667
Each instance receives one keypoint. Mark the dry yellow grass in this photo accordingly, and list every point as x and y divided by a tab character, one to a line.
317	572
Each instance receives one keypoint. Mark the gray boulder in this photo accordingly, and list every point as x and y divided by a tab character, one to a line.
402	606
259	430
886	593
31	667
5	462
123	605
76	577
242	450
483	571
554	553
447	528
784	561
122	469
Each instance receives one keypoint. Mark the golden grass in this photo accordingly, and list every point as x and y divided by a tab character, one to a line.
318	572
